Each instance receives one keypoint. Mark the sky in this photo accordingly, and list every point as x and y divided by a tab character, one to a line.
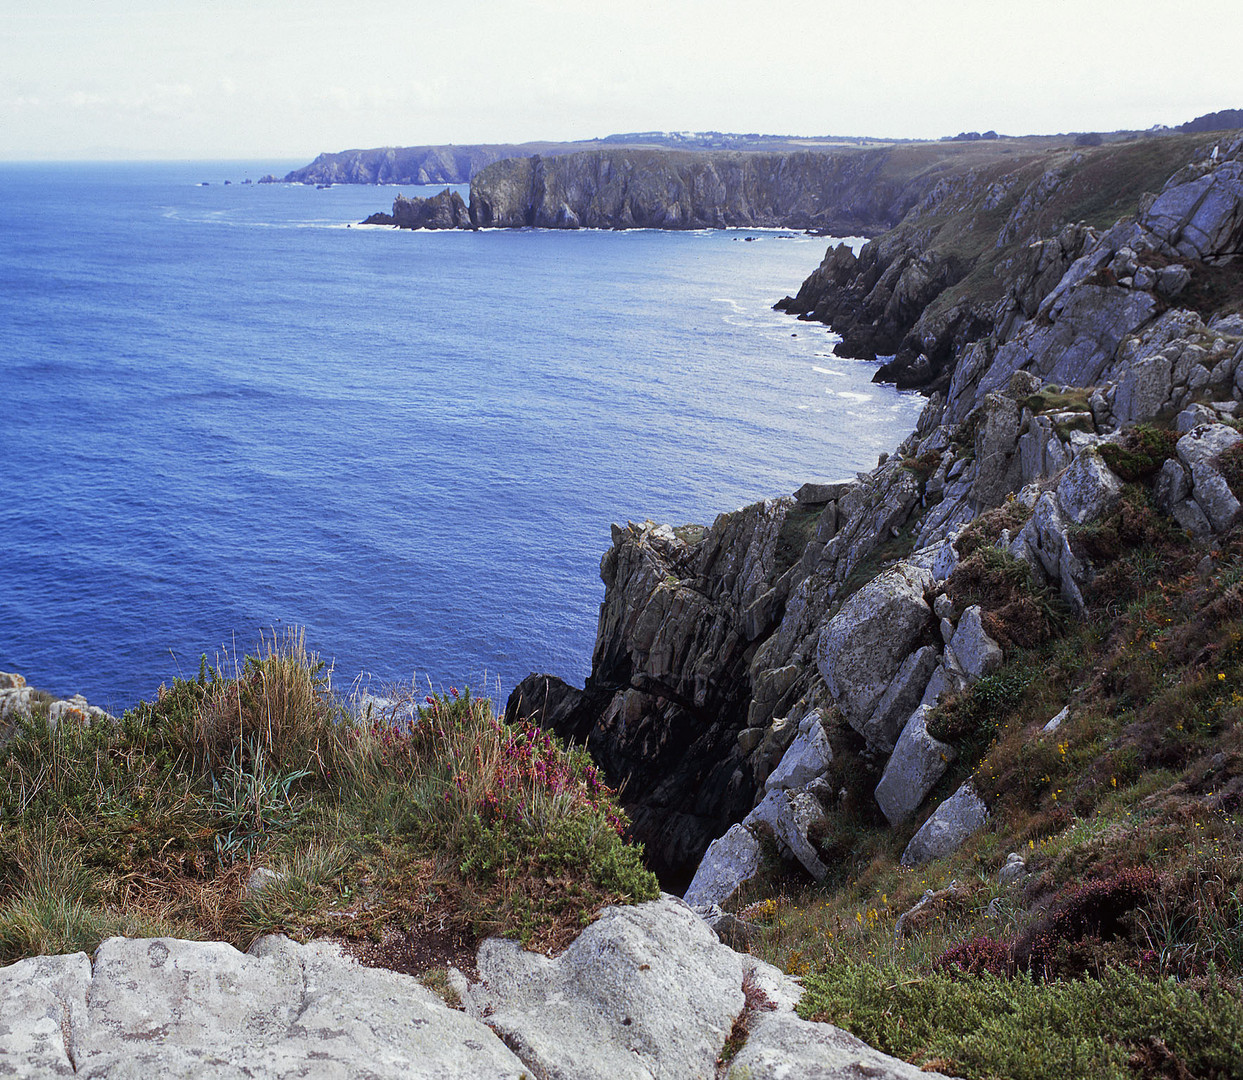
211	79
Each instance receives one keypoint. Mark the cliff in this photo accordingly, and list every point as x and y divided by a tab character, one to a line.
835	620
412	164
450	164
846	192
919	294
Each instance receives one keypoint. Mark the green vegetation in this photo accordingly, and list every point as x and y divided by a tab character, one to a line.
988	1026
1118	952
426	815
1142	451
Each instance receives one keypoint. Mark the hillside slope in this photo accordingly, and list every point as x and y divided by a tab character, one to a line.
1004	669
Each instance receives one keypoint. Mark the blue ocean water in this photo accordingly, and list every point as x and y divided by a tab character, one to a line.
225	412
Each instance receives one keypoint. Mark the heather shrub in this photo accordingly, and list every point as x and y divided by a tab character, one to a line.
427	814
1093	910
1016	610
1142	450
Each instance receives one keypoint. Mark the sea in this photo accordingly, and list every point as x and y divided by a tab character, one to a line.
226	409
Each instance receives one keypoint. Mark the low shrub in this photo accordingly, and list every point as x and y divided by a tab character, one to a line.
975	714
1017	611
1142	450
1093	910
985	530
435	814
989	1027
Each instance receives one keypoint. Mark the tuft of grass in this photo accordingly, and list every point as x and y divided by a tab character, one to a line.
433	814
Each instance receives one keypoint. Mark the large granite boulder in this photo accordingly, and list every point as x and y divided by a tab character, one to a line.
170	1008
951	823
864	645
643	993
916	764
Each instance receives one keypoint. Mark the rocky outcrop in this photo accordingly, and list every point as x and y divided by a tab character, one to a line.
20	702
164	1007
645	993
445	210
978	253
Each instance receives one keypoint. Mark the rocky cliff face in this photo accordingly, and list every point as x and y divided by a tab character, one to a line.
409	164
847	193
917	295
722	651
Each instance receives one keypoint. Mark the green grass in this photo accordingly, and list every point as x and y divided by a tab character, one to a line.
435	815
991	1028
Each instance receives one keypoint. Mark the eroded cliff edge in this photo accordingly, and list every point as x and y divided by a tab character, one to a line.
717	645
845	191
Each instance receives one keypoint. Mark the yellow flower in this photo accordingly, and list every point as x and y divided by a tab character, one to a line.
1221	675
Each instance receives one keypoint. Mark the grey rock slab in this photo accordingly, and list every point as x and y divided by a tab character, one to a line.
977	654
901	698
939	559
1043	543
1193	416
784	1047
164	1007
1088	489
916	764
808	756
1191	518
793	816
644	993
42	1004
951	824
1202	445
862	647
730	861
1172	485
1213	496
1144	390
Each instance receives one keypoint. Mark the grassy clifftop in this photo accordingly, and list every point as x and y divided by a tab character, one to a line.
409	831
